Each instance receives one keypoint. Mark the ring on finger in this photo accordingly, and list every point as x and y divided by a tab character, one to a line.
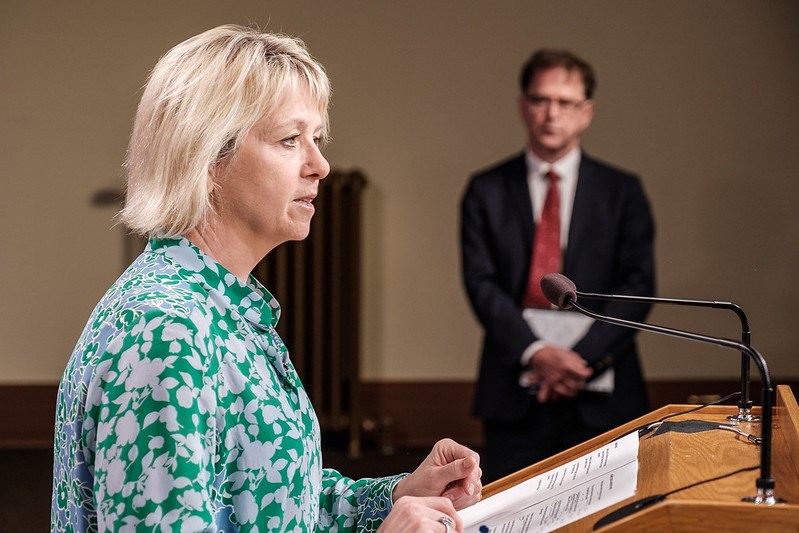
447	521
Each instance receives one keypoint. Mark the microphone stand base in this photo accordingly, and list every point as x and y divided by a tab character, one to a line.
764	497
744	415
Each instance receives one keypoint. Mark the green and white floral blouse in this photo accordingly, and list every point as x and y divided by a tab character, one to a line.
180	410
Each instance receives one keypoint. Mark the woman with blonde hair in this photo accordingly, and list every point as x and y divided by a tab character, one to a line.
180	408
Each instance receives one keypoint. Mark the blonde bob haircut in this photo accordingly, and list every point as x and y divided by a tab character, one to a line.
199	103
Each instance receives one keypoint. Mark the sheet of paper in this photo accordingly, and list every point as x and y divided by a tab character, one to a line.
558	327
566	329
562	495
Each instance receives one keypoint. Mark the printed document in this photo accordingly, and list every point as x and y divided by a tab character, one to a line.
562	495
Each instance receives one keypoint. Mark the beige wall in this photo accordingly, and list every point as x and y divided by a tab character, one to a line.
698	97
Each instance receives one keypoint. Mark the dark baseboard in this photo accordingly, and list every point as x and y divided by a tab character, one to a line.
28	415
419	413
395	414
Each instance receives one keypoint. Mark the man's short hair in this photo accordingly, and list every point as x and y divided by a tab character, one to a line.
547	58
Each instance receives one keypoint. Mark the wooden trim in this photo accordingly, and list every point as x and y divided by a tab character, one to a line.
417	414
411	414
394	414
28	415
785	445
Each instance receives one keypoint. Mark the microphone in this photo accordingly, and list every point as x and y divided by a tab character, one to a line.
563	286
562	292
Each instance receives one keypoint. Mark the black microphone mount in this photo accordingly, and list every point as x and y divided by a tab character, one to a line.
562	292
745	401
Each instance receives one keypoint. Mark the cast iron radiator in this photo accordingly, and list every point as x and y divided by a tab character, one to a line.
317	283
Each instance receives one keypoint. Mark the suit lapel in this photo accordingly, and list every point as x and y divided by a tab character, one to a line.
519	193
587	188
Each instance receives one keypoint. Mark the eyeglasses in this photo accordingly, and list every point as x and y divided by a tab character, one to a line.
543	102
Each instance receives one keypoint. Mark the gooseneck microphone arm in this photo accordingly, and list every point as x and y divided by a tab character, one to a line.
562	292
745	402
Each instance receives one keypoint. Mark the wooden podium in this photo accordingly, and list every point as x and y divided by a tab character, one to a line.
672	460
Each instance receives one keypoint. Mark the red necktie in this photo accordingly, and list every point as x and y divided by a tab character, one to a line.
546	251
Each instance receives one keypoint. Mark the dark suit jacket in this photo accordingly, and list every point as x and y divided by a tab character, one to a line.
609	251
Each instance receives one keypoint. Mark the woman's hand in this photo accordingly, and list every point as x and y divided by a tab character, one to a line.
422	515
450	470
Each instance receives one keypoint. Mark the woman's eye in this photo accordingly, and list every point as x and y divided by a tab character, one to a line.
290	141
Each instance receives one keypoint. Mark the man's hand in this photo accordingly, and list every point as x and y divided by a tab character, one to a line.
560	372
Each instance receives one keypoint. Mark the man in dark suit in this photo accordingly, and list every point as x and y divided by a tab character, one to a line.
553	208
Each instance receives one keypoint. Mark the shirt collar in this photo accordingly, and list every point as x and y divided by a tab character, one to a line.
250	300
567	167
